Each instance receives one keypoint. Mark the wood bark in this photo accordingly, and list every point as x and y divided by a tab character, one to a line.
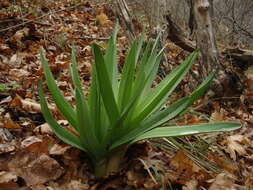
205	38
238	56
201	22
125	19
158	10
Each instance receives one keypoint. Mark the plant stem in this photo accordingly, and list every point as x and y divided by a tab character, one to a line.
111	164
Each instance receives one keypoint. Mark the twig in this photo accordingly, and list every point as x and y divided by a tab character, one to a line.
148	170
92	38
25	20
42	16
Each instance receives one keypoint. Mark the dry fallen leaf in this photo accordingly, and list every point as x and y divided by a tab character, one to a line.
44	129
224	182
9	186
191	185
184	169
102	19
4	148
7	177
235	145
35	168
35	144
30	141
218	115
28	105
58	149
37	187
77	185
18	36
9	124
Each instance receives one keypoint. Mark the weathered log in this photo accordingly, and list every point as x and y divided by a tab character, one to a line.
239	57
226	78
177	36
125	18
242	58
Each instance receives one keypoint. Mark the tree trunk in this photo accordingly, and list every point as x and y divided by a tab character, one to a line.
205	37
125	19
158	10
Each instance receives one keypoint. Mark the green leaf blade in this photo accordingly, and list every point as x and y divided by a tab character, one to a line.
154	120
111	59
164	89
74	71
86	127
175	131
64	107
60	132
105	85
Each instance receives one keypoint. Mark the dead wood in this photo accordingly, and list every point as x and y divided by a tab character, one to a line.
177	36
237	55
125	18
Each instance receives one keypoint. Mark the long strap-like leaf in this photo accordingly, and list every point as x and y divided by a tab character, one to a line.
86	127
175	131
105	85
64	107
60	132
164	89
154	120
111	60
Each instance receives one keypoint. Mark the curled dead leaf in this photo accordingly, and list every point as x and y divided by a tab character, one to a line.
190	185
77	185
8	123
224	182
44	129
218	115
20	34
28	105
58	149
7	177
102	19
17	38
29	141
35	144
235	144
35	168
184	169
5	148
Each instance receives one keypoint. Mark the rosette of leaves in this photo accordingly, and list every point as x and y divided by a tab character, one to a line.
122	109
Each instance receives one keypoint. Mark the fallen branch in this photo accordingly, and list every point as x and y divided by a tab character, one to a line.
24	20
92	38
40	17
242	56
125	18
237	55
177	36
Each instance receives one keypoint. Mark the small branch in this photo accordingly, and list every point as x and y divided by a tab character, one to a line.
24	20
40	17
124	13
92	38
176	35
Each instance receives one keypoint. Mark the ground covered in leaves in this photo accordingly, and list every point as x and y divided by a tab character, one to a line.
32	158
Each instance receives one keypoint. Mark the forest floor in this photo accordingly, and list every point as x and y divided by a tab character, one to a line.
32	158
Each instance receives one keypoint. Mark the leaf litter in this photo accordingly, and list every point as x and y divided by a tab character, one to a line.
31	157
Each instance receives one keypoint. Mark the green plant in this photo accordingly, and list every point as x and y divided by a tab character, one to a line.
119	112
9	86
